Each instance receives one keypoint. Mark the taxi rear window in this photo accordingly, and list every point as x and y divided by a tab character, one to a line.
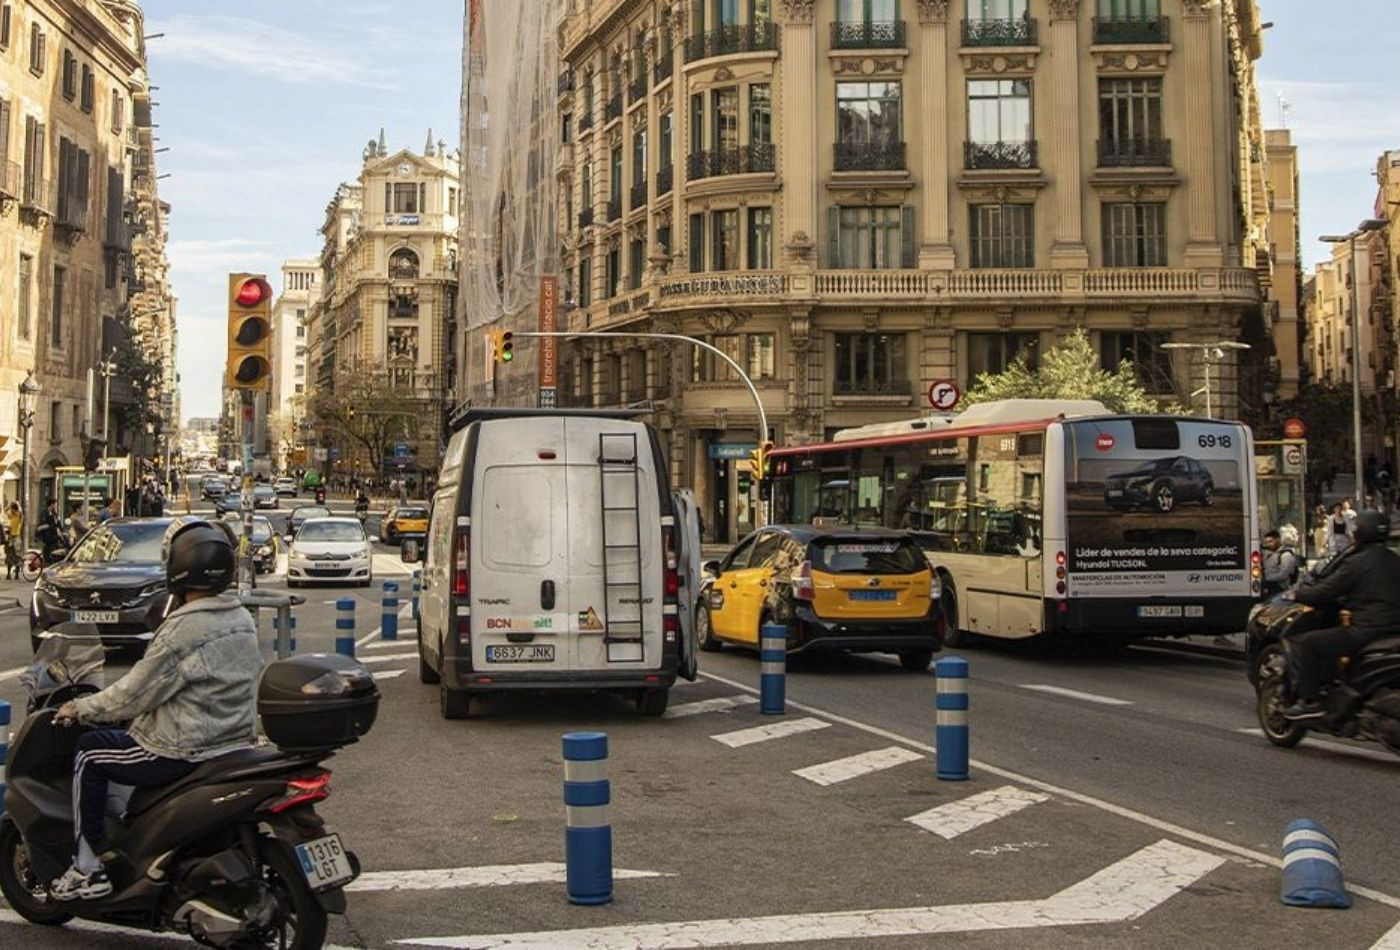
415	514
867	556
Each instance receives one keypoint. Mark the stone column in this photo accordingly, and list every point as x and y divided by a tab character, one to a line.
799	159
1061	136
935	246
1200	49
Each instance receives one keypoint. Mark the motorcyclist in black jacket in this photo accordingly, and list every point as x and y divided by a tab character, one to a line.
1365	580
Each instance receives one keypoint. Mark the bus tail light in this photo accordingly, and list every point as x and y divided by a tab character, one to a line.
461	565
802	587
1256	569
1060	569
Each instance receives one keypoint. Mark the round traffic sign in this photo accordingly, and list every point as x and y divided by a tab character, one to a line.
1293	456
1294	428
943	394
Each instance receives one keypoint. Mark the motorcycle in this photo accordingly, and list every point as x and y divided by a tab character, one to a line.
234	854
320	495
1362	703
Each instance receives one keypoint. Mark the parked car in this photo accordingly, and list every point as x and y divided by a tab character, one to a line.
404	521
264	497
330	549
1161	483
845	590
114	578
286	486
301	514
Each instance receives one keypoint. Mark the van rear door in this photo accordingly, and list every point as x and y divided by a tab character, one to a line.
520	549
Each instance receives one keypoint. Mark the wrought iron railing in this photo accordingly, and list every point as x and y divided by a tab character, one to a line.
745	38
638	88
585	118
664	64
1020	31
1000	154
614	207
613	109
585	217
867	34
870	387
1132	30
869	156
665	179
735	160
1134	152
566	81
638	198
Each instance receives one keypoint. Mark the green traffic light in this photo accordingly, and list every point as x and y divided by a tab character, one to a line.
507	356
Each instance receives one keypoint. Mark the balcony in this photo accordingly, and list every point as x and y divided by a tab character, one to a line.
665	63
36	195
614	207
869	156
1018	32
613	108
735	160
638	197
585	118
866	34
637	90
11	180
748	38
870	387
664	180
1131	30
566	82
999	155
1135	153
585	217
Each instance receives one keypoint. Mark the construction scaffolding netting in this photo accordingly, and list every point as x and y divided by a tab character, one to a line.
510	143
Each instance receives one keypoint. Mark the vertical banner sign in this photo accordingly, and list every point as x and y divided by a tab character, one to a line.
549	346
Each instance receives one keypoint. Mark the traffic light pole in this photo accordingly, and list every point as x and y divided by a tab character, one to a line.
245	539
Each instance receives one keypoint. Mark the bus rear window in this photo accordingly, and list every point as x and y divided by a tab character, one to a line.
867	556
1160	434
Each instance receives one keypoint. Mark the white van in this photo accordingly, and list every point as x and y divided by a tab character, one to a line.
551	560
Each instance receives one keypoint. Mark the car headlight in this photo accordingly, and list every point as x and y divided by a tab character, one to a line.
45	586
155	587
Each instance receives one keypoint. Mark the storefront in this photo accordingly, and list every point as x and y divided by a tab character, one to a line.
723	483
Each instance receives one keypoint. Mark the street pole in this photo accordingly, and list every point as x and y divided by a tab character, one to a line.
1359	487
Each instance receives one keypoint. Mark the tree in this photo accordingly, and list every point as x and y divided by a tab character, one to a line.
1070	370
134	362
364	408
1326	410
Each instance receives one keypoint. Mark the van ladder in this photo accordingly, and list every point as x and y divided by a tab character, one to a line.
620	492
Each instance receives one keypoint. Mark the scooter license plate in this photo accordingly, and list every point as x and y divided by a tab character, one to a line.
324	862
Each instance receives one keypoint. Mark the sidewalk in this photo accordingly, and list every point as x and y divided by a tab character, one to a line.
14	595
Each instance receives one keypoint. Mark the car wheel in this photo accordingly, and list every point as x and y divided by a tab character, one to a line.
1271	697
704	635
952	635
1163	497
1208	496
426	674
652	702
916	661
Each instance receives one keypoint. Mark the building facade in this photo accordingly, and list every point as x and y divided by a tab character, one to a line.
384	317
1286	285
301	288
83	274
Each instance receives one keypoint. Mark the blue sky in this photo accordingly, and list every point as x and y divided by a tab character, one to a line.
266	105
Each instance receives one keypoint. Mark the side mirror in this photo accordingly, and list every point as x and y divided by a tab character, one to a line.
711	568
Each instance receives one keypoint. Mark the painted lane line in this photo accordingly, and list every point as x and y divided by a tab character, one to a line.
1390	940
368	637
382	644
843	770
495	875
959	817
723	705
1076	694
777	730
391	658
7	674
83	926
1122	811
1121	892
389	674
1339	748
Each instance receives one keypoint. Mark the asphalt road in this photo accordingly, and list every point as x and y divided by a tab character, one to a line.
1115	802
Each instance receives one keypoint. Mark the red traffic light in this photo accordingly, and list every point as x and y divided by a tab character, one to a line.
252	292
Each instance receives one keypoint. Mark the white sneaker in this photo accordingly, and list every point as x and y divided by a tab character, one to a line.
75	885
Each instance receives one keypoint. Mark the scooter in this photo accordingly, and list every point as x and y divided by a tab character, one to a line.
232	855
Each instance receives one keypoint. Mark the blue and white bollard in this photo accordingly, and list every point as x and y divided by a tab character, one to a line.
1312	867
291	632
4	748
389	624
772	677
345	626
950	718
588	827
417	588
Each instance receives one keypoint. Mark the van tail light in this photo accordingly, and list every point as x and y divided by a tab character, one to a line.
802	587
461	565
302	790
672	575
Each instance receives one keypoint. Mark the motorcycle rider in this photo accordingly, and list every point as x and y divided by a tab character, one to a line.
362	505
190	698
1364	579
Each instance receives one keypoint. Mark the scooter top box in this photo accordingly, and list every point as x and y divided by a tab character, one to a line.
317	701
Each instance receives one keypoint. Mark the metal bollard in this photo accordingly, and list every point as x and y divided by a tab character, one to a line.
772	679
950	718
389	624
417	588
588	828
345	626
4	748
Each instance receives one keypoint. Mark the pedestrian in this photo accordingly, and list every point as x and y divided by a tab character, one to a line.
49	532
1280	560
108	511
14	540
1338	538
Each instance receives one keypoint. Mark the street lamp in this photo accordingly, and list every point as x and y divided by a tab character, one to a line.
1370	224
28	390
1209	351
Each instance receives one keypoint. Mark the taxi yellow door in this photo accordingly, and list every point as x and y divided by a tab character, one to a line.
739	592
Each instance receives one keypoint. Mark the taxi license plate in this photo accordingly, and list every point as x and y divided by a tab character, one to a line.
872	594
324	862
96	616
535	653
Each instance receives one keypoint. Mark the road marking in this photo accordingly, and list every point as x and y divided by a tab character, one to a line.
380	645
1122	811
777	730
722	704
84	926
389	674
959	817
368	637
1076	694
1390	940
843	770
495	875
1341	748
6	674
391	658
1121	892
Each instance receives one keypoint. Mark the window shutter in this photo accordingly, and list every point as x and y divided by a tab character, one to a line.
84	186
833	237
64	172
906	229
5	143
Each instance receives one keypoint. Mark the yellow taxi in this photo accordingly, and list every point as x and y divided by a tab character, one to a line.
845	590
403	521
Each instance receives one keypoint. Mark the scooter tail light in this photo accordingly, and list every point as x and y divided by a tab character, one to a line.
301	791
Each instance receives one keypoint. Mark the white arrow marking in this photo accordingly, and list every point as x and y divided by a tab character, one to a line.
959	817
496	875
722	704
1121	892
843	770
1076	694
777	730
391	658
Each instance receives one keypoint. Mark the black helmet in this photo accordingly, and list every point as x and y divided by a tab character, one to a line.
198	556
1372	527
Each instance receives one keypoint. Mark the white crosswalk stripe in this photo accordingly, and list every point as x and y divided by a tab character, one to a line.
721	704
777	730
959	817
843	770
390	658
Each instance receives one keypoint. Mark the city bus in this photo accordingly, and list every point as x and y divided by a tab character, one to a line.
1051	517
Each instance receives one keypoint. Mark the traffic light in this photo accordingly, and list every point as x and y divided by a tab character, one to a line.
249	364
758	459
507	346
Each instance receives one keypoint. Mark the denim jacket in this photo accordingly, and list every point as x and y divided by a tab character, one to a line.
193	695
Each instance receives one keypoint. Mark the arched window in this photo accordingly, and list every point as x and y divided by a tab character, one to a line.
403	264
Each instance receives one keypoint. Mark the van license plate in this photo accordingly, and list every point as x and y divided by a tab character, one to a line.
872	594
324	862
534	653
96	616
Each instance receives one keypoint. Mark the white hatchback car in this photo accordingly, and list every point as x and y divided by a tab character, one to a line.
327	550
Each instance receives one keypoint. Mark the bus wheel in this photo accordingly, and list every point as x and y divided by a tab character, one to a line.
952	635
